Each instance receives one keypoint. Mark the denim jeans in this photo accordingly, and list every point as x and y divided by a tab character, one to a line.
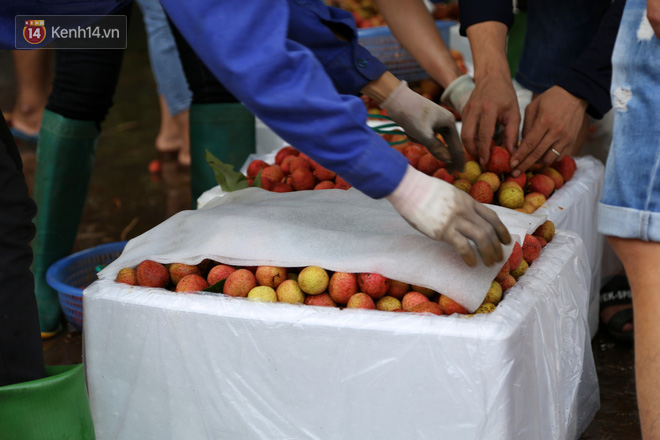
164	58
557	33
630	204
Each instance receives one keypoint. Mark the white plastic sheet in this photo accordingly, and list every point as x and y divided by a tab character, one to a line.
162	365
338	230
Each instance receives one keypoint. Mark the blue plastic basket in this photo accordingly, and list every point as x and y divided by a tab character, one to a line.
382	44
70	275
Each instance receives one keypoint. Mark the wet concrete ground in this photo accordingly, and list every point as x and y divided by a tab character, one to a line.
124	201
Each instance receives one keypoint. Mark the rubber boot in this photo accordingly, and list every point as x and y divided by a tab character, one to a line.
226	130
65	157
55	407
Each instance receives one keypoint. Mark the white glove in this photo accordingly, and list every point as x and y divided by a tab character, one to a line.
441	211
421	119
458	92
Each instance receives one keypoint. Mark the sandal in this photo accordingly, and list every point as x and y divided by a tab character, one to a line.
617	292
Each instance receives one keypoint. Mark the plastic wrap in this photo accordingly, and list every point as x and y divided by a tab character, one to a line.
338	230
164	365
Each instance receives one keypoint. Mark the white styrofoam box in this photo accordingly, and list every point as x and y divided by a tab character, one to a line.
163	365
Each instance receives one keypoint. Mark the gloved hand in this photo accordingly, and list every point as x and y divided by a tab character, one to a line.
421	119
458	92
441	211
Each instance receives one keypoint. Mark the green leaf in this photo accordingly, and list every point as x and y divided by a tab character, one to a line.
257	180
228	179
217	287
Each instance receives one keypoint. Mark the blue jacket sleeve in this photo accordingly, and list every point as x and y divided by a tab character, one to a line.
245	44
478	11
590	76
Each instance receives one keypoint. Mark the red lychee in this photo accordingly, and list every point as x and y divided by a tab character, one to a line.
373	284
554	175
531	249
360	301
428	164
152	274
180	270
254	168
191	283
427	307
449	306
443	174
322	300
219	273
326	184
273	172
508	282
302	179
239	283
566	167
127	275
284	152
398	289
516	257
271	276
482	192
342	286
546	230
498	161
322	173
541	183
411	299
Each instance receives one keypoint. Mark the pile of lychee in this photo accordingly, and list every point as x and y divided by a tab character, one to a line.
316	286
293	171
494	184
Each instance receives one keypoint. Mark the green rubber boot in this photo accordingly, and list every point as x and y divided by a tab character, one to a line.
55	407
227	131
65	157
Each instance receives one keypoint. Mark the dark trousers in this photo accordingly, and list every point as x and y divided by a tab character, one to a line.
21	353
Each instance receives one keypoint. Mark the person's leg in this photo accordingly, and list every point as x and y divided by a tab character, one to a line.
21	353
218	122
33	83
83	88
174	94
641	259
629	210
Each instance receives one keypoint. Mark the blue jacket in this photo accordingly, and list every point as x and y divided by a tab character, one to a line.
280	59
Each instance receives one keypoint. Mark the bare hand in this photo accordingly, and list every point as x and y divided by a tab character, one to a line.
552	123
493	101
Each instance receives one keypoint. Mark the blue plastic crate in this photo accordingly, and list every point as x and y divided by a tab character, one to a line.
70	275
382	44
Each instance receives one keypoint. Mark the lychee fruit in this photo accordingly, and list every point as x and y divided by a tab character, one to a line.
566	167
289	292
180	270
494	294
326	184
554	175
520	271
322	173
398	289
443	174
427	307
511	195
281	187
302	179
521	179
504	271
411	299
485	308
546	230
322	300
542	241
471	172
284	152
360	301
191	283
127	275
508	282
273	173
286	164
531	248
239	283
297	163
482	192
313	280
541	183
491	178
516	257
262	294
342	286
254	168
340	183
463	185
388	303
449	306
219	273
498	161
428	164
536	199
373	284
423	290
270	276
152	274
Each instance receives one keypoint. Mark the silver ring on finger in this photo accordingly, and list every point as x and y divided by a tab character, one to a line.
555	151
